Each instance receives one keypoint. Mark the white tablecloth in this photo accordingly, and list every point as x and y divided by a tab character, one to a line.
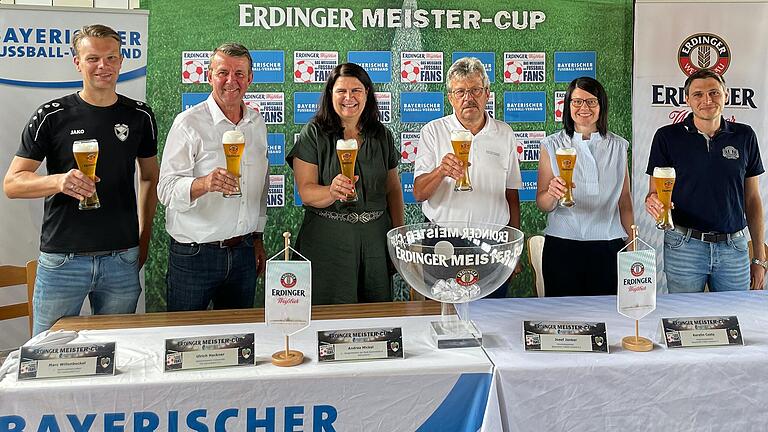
430	390
693	389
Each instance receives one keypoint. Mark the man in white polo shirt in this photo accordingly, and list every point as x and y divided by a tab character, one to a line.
494	170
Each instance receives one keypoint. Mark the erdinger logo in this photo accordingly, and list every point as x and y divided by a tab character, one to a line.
467	277
346	157
288	280
668	184
92	157
567	163
233	149
704	51
637	269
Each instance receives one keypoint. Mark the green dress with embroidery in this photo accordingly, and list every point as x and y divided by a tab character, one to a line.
349	260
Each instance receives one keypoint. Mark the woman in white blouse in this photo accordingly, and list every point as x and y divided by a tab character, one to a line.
579	256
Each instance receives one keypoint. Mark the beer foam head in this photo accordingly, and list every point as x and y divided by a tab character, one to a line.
566	151
461	135
85	146
664	172
350	144
232	137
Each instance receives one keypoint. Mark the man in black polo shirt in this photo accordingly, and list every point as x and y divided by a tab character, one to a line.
97	252
716	194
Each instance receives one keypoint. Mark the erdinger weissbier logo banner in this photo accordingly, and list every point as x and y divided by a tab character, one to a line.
288	294
636	296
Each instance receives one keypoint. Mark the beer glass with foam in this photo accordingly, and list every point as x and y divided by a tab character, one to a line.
461	141
346	150
566	162
86	154
664	180
234	144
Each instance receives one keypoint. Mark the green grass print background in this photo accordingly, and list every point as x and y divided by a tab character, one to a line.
601	26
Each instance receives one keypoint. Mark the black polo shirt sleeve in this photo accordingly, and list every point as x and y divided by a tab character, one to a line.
659	155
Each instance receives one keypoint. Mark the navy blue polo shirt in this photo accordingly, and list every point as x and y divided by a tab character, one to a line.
709	188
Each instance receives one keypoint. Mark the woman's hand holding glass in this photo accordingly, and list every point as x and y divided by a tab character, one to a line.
342	186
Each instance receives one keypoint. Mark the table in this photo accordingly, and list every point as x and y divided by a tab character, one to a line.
693	389
232	316
430	390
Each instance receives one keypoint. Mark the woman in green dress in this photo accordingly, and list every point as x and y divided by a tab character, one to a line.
346	240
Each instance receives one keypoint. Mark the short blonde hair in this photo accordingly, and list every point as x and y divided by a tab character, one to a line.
96	31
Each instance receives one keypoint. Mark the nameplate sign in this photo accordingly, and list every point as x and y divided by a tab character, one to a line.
701	331
569	336
55	361
360	344
209	352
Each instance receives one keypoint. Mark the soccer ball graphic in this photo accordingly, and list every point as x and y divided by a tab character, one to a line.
559	110
408	152
513	72
303	71
409	72
192	72
253	105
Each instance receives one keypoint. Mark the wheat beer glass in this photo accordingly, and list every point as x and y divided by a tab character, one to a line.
566	162
664	180
461	140
86	154
346	150
234	144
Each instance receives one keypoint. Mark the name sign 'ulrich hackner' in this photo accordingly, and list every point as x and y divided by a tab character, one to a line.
451	257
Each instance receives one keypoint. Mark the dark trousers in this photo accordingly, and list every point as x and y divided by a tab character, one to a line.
579	268
199	274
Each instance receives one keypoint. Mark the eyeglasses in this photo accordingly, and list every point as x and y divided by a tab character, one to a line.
577	103
474	91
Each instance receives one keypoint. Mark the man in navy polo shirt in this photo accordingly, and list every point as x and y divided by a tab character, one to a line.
716	194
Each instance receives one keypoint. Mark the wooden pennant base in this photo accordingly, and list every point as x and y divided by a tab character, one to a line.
292	358
635	343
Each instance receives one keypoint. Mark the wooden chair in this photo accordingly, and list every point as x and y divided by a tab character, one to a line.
12	276
535	248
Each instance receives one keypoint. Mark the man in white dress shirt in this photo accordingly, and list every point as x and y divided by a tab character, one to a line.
216	250
494	168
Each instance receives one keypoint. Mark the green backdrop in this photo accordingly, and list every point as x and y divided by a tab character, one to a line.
198	25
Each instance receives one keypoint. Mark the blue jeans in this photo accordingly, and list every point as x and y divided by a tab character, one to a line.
110	281
201	273
690	263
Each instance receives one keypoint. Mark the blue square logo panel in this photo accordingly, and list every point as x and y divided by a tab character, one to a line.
487	58
525	107
572	65
421	107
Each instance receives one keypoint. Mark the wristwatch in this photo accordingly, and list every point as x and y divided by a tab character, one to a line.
763	264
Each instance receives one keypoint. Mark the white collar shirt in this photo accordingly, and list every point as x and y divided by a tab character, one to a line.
494	169
193	149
